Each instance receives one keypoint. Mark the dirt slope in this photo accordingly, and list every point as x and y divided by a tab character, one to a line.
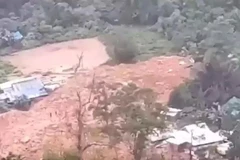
61	55
27	132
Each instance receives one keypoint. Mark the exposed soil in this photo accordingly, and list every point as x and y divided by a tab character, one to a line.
27	133
52	57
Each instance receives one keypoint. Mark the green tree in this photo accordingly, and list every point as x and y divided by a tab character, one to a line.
125	110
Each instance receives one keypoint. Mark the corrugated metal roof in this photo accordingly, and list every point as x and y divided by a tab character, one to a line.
31	87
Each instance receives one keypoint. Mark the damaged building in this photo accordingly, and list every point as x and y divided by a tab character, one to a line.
20	92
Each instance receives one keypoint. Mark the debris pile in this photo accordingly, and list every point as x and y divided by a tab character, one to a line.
195	138
19	93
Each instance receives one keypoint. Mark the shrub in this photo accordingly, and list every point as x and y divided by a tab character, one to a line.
181	96
5	70
120	48
61	156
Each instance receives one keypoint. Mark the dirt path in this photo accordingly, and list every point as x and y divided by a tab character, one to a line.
62	55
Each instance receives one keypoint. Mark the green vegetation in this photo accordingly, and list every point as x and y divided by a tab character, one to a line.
5	70
136	44
120	48
128	111
181	96
126	115
61	156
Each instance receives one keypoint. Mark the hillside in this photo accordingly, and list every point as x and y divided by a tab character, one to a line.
28	133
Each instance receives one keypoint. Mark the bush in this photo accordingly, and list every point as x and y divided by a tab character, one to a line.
62	156
181	96
5	70
120	48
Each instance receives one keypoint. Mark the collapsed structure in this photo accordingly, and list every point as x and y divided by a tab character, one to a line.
19	93
30	87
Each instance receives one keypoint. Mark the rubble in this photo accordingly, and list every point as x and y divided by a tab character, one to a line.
31	87
224	148
196	135
19	93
